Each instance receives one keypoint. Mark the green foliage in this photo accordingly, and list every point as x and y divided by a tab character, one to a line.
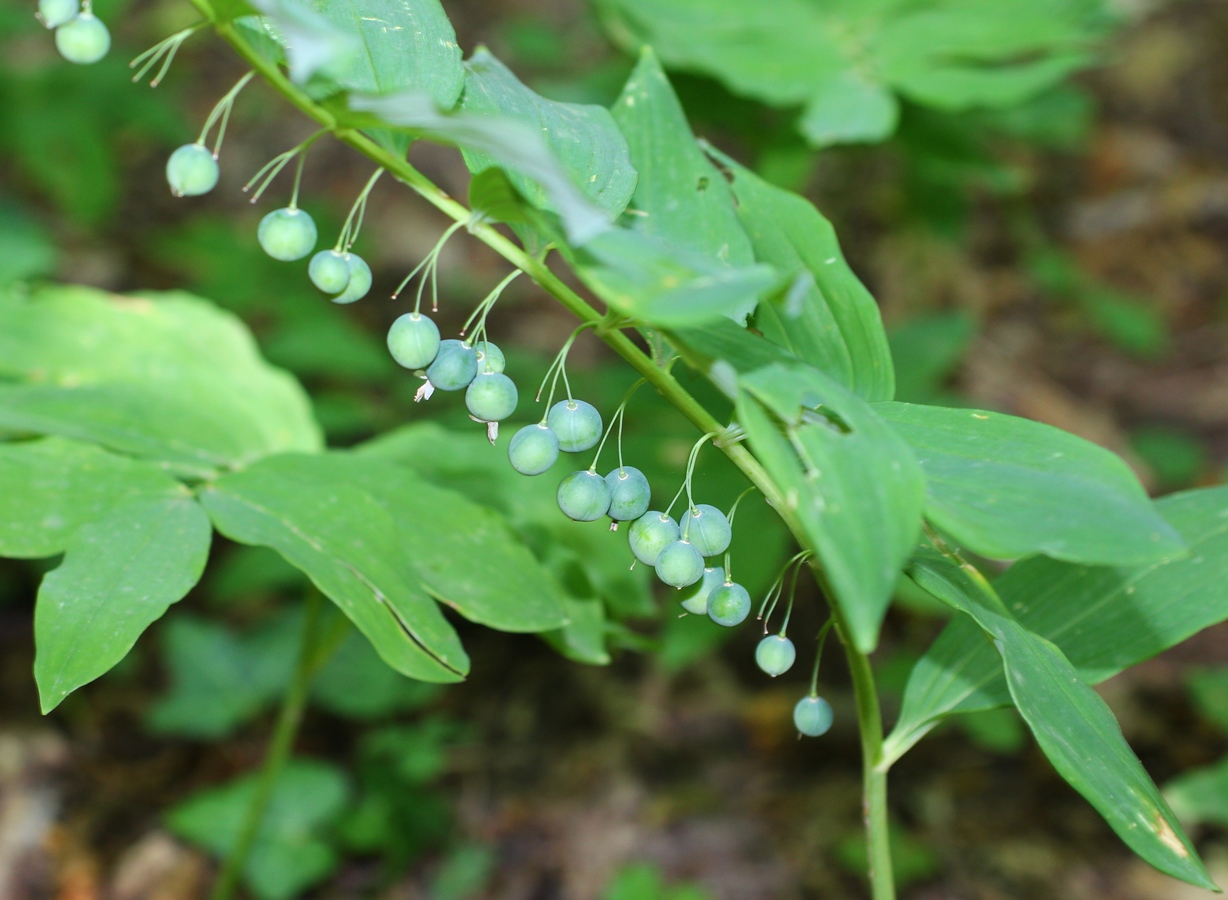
290	853
847	63
643	881
1072	724
1005	487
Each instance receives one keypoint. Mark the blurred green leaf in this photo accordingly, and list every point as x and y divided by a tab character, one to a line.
120	573
463	872
1007	487
927	350
1176	457
1209	690
1201	796
28	249
356	684
168	377
1073	725
220	680
289	854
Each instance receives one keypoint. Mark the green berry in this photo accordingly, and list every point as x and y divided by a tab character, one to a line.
413	340
533	449
775	654
707	528
578	425
329	270
53	13
490	357
454	367
584	496
695	597
83	39
491	396
812	716
287	234
191	171
360	280
680	564
629	494
729	604
650	534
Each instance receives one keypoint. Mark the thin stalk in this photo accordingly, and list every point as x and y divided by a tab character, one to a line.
660	378
288	721
874	774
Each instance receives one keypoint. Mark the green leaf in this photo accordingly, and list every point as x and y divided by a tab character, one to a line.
845	61
1073	725
645	279
830	320
1104	619
582	137
49	487
1201	796
171	378
851	481
314	515
515	145
120	573
220	680
681	199
356	684
466	555
288	855
1006	487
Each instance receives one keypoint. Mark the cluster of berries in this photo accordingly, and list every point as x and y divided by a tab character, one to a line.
80	36
452	365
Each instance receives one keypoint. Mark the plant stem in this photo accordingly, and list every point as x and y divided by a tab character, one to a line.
874	774
869	716
288	721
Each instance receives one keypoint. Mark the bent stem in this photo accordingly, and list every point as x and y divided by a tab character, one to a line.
313	651
660	378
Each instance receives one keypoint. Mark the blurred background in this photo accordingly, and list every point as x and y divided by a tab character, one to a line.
1063	258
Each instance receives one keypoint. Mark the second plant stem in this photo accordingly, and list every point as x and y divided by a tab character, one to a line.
869	716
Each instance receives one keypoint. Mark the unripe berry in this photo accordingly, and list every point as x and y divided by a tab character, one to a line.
650	534
533	449
775	654
629	493
287	234
584	496
695	597
707	528
490	357
454	367
729	604
360	280
680	564
191	171
413	340
491	396
329	270
53	13
812	716
578	425
83	39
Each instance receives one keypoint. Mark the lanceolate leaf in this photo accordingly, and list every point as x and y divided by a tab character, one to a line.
1104	619
1006	487
171	378
681	199
49	487
348	545
829	320
1074	727
120	573
582	137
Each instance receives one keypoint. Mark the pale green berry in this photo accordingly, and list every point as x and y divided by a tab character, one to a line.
578	425
83	39
629	493
413	340
707	528
360	280
490	357
287	234
812	716
775	654
191	171
729	604
454	367
53	13
680	564
329	270
491	396
650	534
584	496
695	598
533	449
